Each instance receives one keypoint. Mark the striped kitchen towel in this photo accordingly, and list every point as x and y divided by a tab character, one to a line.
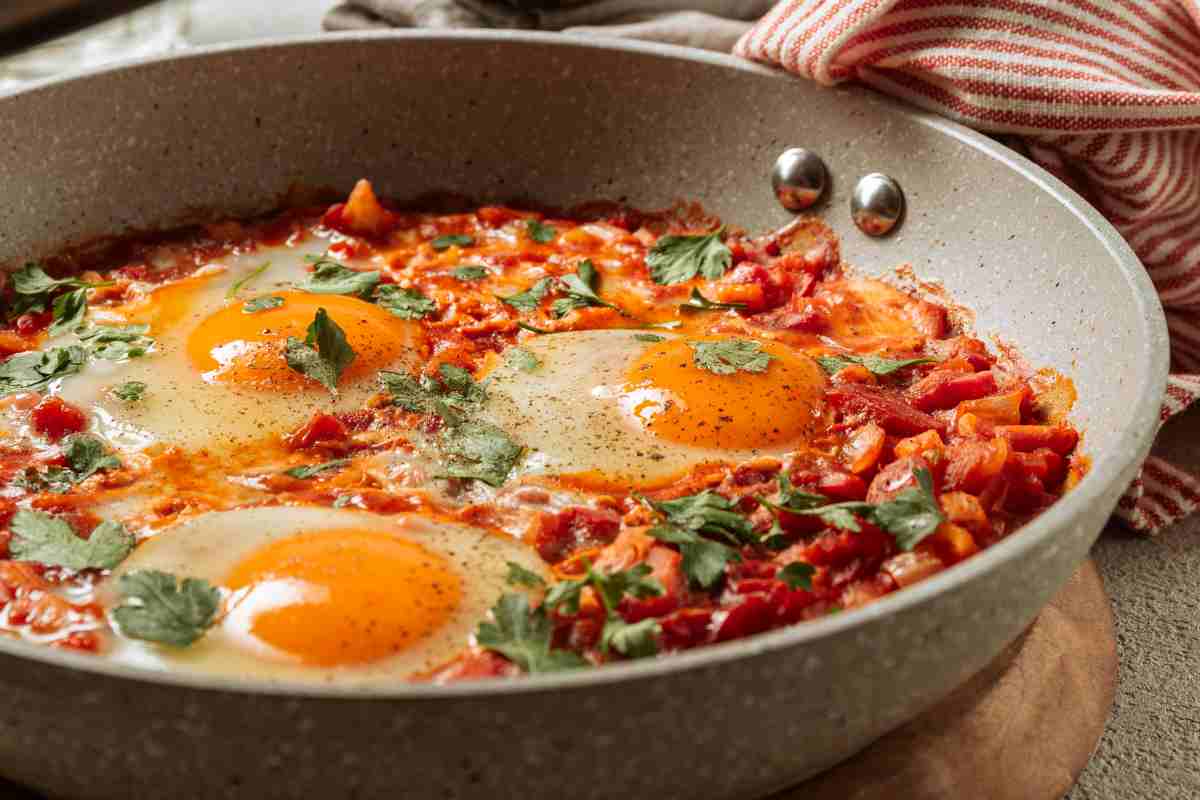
1105	94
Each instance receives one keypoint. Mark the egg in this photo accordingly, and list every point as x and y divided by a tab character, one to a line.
325	595
618	407
216	376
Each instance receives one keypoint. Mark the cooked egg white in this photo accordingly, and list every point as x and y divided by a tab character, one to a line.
611	407
216	376
325	595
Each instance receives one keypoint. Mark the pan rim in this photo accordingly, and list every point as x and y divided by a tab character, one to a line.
1134	442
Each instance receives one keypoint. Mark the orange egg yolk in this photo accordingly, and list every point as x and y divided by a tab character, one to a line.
232	346
346	596
676	399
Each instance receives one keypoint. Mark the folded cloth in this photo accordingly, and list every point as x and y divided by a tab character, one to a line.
1105	95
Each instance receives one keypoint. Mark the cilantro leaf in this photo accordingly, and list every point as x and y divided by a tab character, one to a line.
51	541
461	386
522	635
85	454
649	337
331	277
115	342
245	281
707	512
263	303
479	451
26	371
158	607
32	280
912	514
307	471
323	355
676	259
519	576
698	302
469	272
539	231
580	291
878	365
452	240
68	310
727	356
797	575
130	391
703	559
531	298
521	359
633	640
454	390
404	303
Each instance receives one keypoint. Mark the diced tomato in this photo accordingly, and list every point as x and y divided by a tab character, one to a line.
81	641
945	389
884	407
909	568
838	547
495	216
998	409
22	340
862	450
963	509
774	286
666	568
475	665
927	442
952	543
688	627
364	215
1026	438
752	615
971	465
54	418
841	486
321	428
895	478
558	535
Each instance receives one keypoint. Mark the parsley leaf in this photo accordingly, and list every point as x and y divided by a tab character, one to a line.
130	391
521	359
26	371
307	471
637	640
455	391
469	272
158	607
676	259
649	337
797	575
522	635
323	355
404	303
580	291
51	541
479	451
876	364
68	310
114	342
539	231
264	303
698	302
452	240
529	299
519	576
703	559
245	281
707	512
32	280
634	640
331	277
727	356
911	515
85	454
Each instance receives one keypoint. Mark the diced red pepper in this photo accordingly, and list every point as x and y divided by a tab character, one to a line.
688	627
945	389
886	408
971	465
559	535
895	478
752	615
54	418
862	450
1028	438
321	428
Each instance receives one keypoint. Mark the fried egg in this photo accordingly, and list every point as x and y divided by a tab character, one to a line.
619	407
327	595
216	377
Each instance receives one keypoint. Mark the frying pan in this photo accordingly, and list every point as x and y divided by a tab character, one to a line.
563	121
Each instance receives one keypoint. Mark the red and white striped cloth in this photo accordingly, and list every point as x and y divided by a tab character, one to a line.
1105	94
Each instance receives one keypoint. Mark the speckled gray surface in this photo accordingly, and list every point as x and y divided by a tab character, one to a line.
566	121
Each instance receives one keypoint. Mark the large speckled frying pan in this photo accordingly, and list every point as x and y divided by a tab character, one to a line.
564	121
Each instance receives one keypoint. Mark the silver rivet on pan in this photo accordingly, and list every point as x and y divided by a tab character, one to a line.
798	178
877	204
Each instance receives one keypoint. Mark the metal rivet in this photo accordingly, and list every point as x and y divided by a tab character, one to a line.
877	204
798	178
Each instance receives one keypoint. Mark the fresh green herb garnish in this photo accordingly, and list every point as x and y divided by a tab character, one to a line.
331	277
797	575
85	454
32	280
264	303
540	232
27	371
635	641
519	576
676	259
876	364
532	297
521	359
698	302
711	514
312	470
469	272
323	355
69	310
580	291
130	391
158	607
522	635
454	392
114	342
404	303
51	541
703	559
649	337
479	451
452	240
527	327
727	356
245	281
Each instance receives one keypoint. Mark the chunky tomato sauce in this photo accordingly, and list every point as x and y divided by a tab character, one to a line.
987	432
